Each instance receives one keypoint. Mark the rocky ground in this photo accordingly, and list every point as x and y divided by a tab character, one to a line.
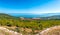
5	31
51	31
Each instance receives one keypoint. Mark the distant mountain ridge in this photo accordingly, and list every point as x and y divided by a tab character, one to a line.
51	17
55	17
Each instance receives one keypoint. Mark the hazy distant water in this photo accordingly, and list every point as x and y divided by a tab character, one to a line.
28	15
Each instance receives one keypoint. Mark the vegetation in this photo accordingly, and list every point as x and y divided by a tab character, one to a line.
10	21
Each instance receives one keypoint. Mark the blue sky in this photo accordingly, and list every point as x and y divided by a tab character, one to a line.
30	6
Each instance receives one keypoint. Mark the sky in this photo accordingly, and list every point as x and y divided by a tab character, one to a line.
30	6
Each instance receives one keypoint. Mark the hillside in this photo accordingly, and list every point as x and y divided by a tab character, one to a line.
6	19
2	15
26	27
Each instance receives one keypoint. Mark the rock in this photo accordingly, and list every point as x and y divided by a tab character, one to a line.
51	31
9	32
